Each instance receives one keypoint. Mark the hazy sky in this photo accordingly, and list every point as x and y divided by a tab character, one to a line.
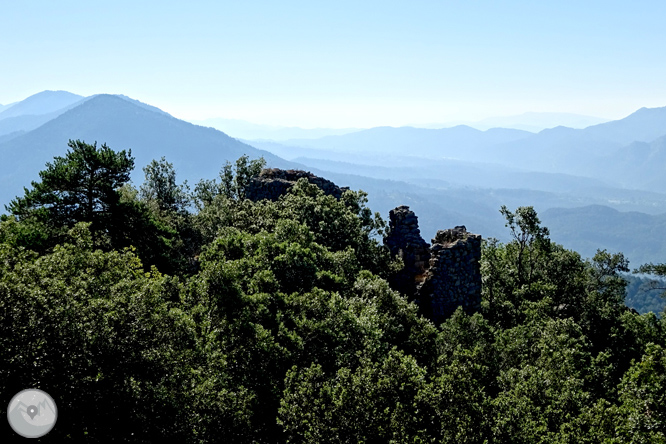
342	63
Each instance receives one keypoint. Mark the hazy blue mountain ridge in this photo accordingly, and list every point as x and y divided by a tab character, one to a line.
140	104
41	113
556	150
41	103
587	152
27	122
451	172
196	152
35	111
644	125
4	107
23	123
538	121
6	137
460	142
639	236
638	165
246	130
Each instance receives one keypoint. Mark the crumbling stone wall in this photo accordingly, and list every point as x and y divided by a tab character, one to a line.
441	277
403	239
272	183
453	278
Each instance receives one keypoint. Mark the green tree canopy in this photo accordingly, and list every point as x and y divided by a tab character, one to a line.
161	188
283	329
82	186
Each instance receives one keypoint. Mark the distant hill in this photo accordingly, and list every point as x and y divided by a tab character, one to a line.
440	173
35	111
556	150
23	123
639	165
460	142
535	121
639	236
645	125
195	151
41	103
4	107
246	130
16	125
587	152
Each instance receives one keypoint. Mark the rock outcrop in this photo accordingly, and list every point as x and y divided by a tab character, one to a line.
272	183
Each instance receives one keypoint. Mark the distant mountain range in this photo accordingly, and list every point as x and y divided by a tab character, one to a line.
460	142
246	130
36	110
532	122
535	122
599	151
44	102
601	186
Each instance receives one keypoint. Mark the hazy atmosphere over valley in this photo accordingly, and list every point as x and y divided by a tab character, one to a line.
452	108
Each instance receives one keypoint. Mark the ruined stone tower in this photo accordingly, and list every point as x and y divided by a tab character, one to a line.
453	278
441	277
404	240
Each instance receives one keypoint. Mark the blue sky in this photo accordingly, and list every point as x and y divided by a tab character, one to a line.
344	63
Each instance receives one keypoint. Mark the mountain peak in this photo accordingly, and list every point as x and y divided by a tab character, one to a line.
44	102
122	124
123	99
647	111
643	125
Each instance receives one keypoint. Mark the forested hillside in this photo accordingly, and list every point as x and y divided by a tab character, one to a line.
192	314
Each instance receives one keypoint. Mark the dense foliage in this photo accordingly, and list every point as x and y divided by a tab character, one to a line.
148	321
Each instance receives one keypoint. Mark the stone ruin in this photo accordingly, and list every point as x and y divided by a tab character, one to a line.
438	277
404	240
272	183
